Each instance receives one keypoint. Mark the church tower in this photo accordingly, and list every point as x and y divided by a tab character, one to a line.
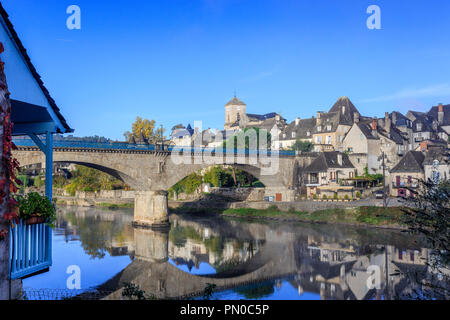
234	112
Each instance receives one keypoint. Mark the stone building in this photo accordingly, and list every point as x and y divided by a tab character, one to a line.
331	128
237	118
324	173
367	140
299	129
407	174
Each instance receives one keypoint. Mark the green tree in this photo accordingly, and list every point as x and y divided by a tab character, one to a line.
303	146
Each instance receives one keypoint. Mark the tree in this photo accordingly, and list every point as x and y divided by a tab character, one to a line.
144	128
303	146
427	213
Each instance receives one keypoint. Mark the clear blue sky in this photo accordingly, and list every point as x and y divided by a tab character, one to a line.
180	61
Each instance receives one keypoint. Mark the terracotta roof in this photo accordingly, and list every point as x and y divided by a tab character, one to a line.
33	71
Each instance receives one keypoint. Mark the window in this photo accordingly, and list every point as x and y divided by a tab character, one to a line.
328	128
308	134
319	128
328	140
293	134
419	126
319	139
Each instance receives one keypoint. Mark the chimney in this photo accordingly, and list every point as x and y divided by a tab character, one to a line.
339	159
394	118
343	109
374	124
374	127
356	117
319	120
297	121
441	114
387	123
277	117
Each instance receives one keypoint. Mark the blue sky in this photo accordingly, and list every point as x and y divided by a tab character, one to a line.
180	61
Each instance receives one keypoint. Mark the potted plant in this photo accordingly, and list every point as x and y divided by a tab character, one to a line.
36	209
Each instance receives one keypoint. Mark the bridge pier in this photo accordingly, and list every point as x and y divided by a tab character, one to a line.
151	209
151	245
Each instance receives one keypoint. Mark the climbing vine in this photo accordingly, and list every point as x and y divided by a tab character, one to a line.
9	165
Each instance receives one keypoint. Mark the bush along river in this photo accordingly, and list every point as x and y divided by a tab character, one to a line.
216	257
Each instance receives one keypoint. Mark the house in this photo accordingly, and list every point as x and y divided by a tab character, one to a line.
367	140
331	127
299	129
181	135
441	114
437	164
406	174
237	118
35	114
422	127
324	173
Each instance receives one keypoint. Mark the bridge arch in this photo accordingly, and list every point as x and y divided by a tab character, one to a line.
37	157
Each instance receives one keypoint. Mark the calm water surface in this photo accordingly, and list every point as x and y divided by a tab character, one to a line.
244	259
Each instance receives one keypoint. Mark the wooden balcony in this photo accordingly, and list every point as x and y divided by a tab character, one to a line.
30	249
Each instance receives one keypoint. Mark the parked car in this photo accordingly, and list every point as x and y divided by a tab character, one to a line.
379	194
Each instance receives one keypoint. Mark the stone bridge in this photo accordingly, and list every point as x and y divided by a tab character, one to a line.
151	173
154	274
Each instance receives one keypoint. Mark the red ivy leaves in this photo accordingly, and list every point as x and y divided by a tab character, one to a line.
9	181
3	234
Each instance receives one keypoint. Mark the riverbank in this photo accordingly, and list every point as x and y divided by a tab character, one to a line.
364	216
367	216
354	213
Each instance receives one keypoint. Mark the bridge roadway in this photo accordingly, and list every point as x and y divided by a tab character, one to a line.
152	171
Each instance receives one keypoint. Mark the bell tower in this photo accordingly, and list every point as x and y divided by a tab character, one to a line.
235	110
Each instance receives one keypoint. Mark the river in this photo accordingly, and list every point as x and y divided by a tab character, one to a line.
239	259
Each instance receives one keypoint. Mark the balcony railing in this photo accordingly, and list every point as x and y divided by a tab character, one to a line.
30	249
411	185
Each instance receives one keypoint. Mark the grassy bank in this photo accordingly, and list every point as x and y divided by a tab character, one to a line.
364	216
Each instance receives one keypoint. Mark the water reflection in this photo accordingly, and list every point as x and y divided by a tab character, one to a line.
248	260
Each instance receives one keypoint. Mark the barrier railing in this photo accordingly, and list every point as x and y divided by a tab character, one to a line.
30	249
150	147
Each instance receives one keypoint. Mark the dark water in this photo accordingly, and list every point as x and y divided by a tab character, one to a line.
243	259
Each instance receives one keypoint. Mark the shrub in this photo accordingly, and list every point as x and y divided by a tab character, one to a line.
34	204
335	197
324	197
314	196
358	195
346	197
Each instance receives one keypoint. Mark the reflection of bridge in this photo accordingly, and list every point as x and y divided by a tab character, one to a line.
152	171
311	261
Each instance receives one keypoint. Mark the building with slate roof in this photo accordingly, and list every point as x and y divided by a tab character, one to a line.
326	171
406	174
237	118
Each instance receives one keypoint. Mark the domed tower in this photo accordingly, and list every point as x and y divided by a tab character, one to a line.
234	111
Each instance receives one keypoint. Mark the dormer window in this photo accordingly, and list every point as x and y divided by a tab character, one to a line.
328	128
293	134
419	126
308	134
319	128
284	135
